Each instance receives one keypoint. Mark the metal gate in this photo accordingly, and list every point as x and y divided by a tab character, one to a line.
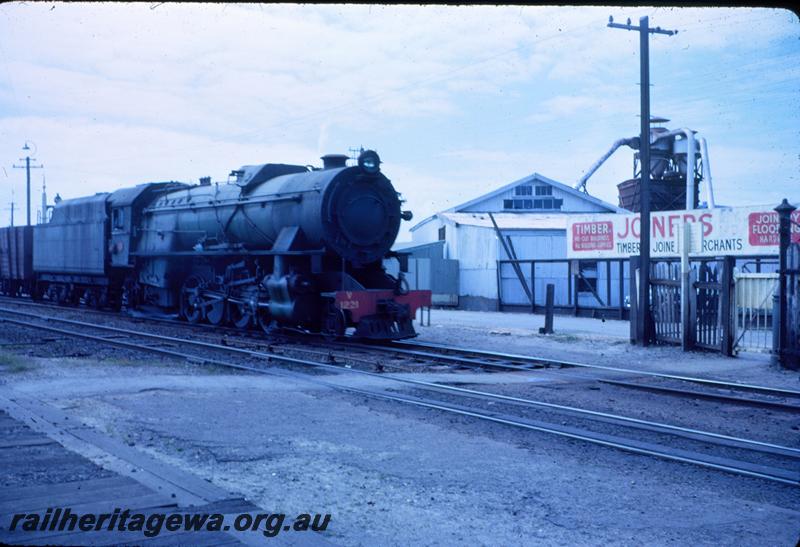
665	294
709	300
708	333
754	311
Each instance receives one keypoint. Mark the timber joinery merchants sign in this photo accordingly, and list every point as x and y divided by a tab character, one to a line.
715	232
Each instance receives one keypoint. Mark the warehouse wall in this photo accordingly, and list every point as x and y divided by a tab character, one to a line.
427	232
476	248
535	244
428	270
607	284
433	250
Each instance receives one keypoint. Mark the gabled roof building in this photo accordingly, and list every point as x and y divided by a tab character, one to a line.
531	214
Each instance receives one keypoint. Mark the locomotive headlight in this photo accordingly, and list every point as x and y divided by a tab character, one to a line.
369	162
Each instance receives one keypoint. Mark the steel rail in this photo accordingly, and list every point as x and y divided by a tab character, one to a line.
649	449
696	434
764	403
556	362
723	464
440	357
461	360
704	395
238	334
775	392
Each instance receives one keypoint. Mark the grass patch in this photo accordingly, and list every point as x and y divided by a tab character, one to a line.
11	362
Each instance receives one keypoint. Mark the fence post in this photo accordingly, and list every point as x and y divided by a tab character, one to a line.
692	308
633	315
784	211
569	283
548	313
686	240
726	290
499	286
621	295
575	286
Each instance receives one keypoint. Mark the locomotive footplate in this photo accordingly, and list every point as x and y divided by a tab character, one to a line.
382	314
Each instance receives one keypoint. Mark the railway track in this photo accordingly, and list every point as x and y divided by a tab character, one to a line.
718	390
725	391
516	358
672	385
781	460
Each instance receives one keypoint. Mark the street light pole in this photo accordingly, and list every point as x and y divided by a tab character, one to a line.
28	168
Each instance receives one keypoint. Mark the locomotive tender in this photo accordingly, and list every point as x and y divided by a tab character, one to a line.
285	245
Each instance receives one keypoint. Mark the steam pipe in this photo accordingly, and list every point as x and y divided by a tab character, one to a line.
690	162
690	157
581	185
707	173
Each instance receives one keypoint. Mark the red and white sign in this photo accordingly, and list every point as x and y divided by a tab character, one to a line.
593	236
716	232
762	228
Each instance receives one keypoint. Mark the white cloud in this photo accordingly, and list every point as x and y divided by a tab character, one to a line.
754	174
83	157
460	98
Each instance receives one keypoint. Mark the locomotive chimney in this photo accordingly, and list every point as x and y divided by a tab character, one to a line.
334	161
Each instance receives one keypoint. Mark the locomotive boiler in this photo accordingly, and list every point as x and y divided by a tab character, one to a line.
279	245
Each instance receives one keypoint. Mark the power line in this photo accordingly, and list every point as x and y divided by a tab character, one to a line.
736	68
748	80
360	103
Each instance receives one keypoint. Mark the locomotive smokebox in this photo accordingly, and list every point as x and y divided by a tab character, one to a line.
360	215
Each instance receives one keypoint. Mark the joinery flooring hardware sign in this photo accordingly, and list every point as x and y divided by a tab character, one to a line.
734	231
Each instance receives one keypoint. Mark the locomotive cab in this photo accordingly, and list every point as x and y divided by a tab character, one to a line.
126	212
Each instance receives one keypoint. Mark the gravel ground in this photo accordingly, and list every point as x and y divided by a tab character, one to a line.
597	342
392	474
766	425
424	478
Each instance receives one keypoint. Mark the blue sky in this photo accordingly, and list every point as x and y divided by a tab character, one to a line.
457	100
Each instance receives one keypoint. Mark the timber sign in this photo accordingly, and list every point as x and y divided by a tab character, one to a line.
737	231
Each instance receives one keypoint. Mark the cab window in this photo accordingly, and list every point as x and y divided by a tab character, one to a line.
118	219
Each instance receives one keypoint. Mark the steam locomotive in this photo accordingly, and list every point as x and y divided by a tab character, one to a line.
279	245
